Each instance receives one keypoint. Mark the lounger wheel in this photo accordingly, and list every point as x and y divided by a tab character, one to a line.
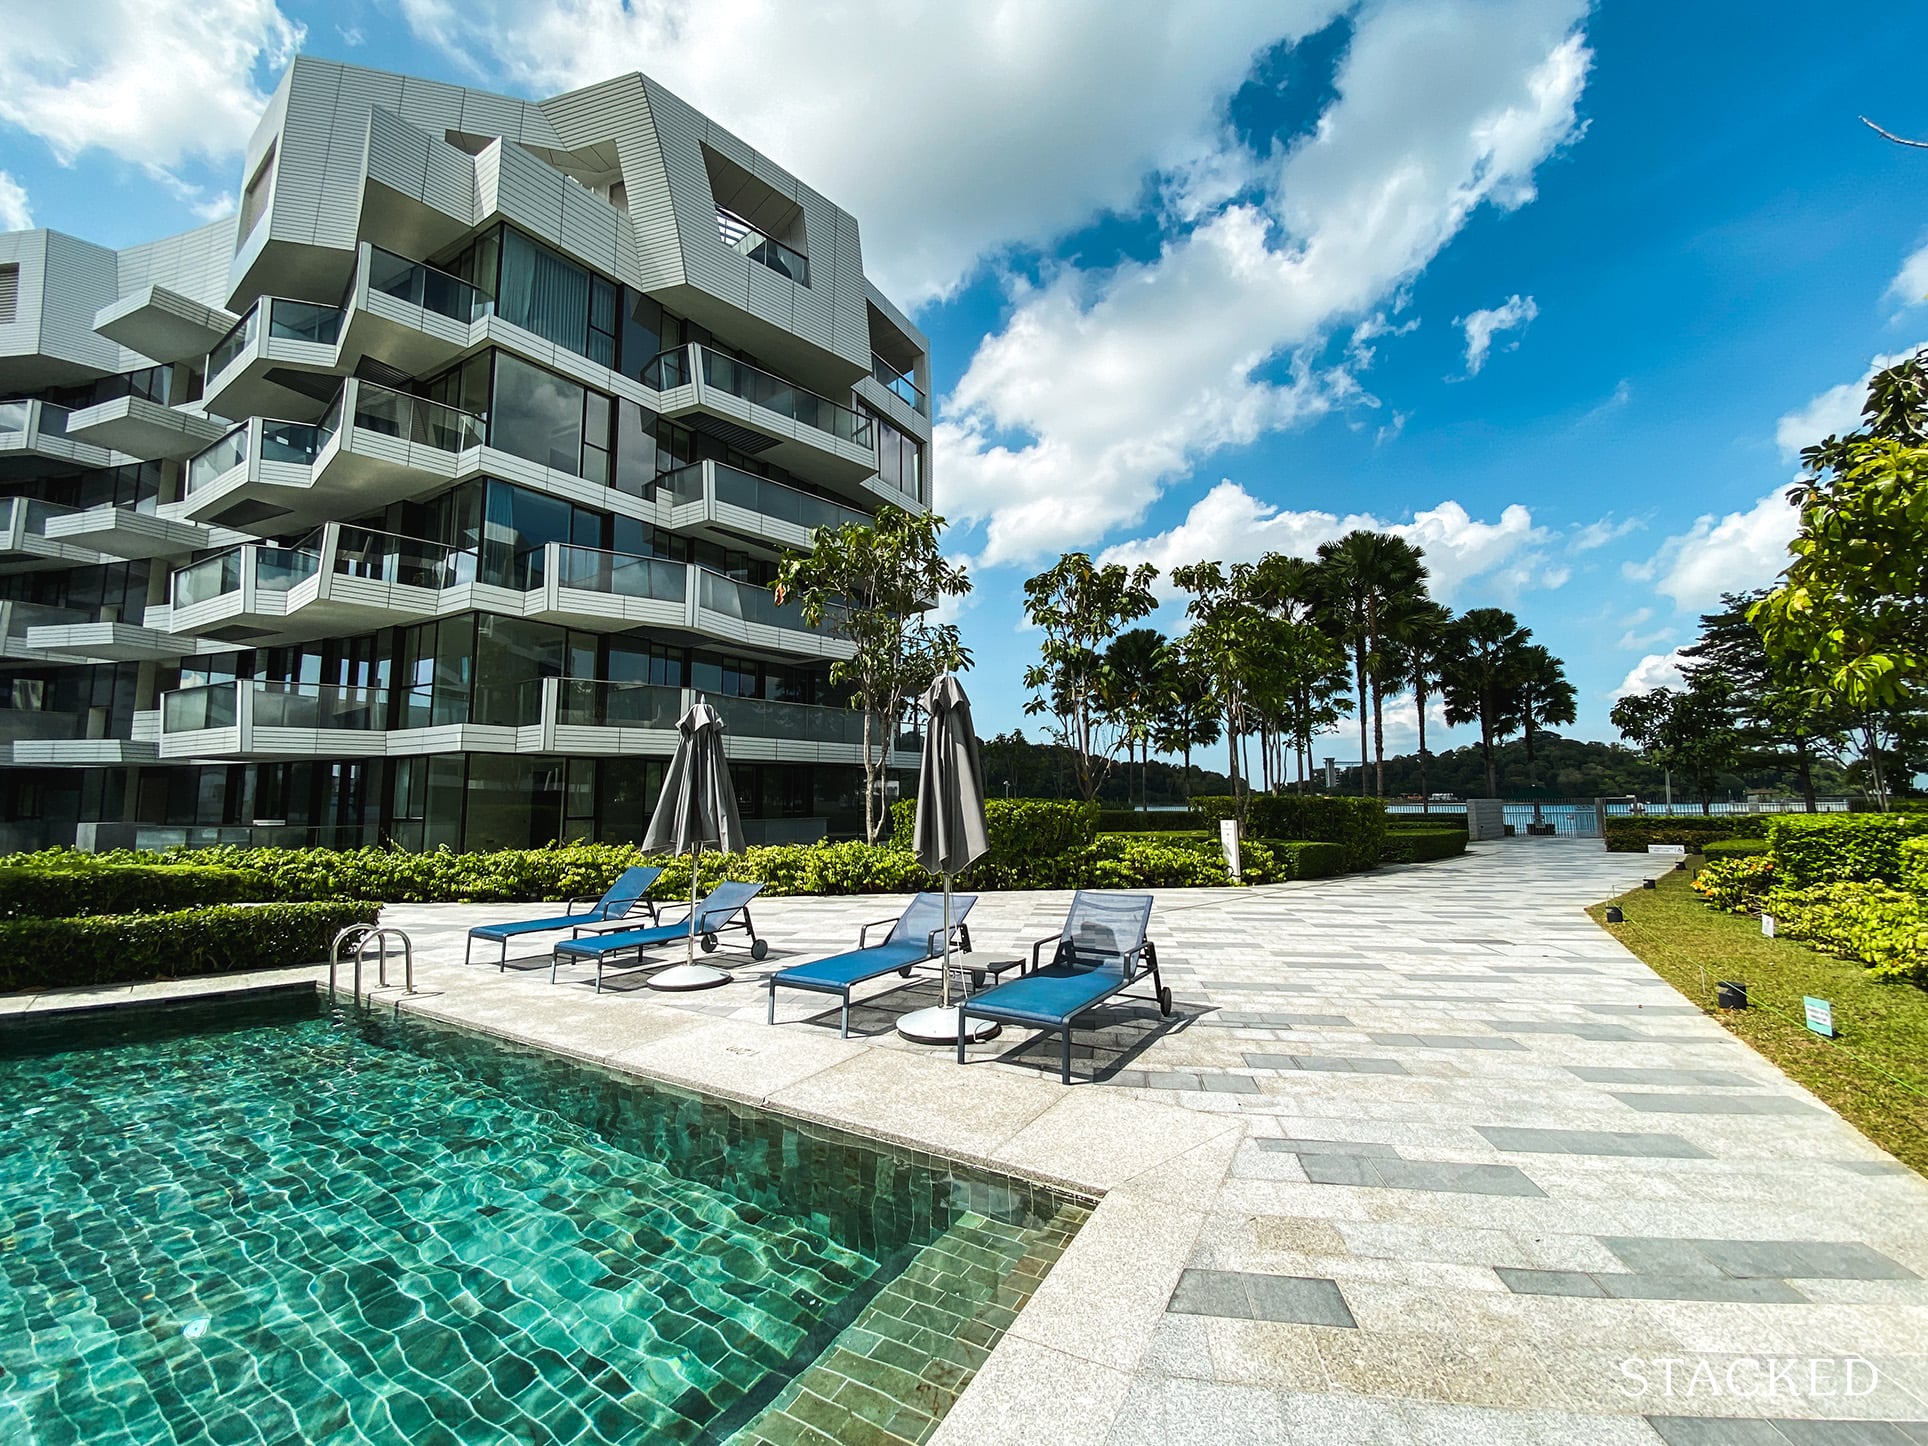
759	949
709	943
1165	1001
977	979
904	973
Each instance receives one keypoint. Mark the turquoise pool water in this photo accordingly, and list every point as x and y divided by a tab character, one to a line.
260	1224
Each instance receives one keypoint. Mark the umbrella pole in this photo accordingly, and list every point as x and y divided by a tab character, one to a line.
945	988
689	947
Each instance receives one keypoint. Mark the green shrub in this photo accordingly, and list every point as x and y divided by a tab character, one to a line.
1421	845
1309	858
1020	829
1357	823
1736	884
1130	820
1733	848
1884	927
37	891
1632	835
1841	848
123	948
1914	864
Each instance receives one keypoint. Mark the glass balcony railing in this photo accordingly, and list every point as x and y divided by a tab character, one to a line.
746	240
292	441
430	706
621	574
406	561
22	615
191	710
764	718
14	417
275	569
747	602
215	461
319	705
304	321
422	285
20	725
416	419
36	514
785	504
677	368
597	703
53	420
899	384
240	336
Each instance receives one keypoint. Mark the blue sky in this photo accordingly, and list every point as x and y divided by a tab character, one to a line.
1554	289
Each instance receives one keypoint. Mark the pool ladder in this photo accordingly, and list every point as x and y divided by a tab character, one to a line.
357	938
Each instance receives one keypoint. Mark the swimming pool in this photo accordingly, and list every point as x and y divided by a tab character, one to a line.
253	1222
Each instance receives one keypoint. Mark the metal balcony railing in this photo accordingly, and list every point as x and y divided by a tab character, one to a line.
747	240
682	365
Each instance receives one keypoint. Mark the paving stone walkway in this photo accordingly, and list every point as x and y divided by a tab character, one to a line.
1422	1156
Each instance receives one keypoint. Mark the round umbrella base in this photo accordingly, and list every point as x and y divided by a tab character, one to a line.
939	1026
688	976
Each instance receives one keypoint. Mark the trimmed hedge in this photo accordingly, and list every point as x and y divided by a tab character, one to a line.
125	948
1734	848
1307	858
1130	820
30	892
1841	848
1421	845
1632	835
1884	927
1359	824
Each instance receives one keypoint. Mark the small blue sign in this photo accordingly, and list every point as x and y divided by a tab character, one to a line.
1820	1015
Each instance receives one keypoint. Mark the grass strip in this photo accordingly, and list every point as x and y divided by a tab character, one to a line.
1874	1074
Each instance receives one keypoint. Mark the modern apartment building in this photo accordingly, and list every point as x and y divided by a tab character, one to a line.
415	501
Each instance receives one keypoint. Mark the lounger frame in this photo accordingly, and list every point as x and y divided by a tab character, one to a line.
712	922
933	949
591	921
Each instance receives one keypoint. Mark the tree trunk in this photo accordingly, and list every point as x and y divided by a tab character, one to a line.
1425	793
1378	738
1359	670
1804	771
1188	768
1486	752
872	778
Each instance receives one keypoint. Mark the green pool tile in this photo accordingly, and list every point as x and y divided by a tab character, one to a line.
285	1226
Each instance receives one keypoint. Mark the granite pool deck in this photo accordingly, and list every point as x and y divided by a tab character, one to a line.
1422	1156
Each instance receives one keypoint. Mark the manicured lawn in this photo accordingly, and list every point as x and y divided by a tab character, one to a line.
1875	1074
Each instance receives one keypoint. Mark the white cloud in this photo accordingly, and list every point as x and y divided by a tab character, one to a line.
1598	534
15	213
1228	524
950	131
1910	286
1101	388
155	82
1516	313
1835	412
1656	670
1734	553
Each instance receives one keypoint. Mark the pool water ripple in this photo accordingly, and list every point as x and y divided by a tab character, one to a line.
282	1228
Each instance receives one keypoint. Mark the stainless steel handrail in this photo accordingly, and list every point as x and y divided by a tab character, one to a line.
360	936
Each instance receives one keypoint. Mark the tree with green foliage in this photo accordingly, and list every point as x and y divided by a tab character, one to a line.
1543	696
1226	641
1421	634
1479	681
1080	607
1136	673
873	585
1185	716
1689	731
1364	578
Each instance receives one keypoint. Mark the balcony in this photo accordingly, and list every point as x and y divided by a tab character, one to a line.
260	719
724	504
409	314
33	433
122	532
17	619
85	637
899	385
245	592
598	717
275	361
374	446
27	546
748	615
746	240
758	412
611	592
144	428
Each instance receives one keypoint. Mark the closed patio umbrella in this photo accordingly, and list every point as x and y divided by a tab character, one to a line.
950	831
696	808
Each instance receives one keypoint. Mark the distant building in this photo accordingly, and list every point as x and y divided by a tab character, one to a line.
415	501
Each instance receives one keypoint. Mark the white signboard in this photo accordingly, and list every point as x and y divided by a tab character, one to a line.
1666	848
1767	925
1228	839
1820	1015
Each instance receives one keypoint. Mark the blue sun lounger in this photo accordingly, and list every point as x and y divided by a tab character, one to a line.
716	914
1101	952
624	897
916	936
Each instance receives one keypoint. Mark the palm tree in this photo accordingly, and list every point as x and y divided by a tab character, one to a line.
1134	672
1421	631
1480	680
1185	714
1363	576
1546	698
